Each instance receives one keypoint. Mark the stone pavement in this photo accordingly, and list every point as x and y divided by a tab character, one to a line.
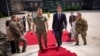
93	36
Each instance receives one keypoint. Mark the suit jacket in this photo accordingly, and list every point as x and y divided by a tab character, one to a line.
59	23
72	18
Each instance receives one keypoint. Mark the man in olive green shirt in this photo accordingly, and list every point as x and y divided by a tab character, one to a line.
41	27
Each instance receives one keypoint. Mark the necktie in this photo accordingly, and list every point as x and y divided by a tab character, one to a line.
59	15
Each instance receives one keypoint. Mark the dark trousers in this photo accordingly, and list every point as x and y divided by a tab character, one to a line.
12	44
44	35
17	45
24	26
58	36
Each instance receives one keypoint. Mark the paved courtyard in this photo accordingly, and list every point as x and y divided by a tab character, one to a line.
93	36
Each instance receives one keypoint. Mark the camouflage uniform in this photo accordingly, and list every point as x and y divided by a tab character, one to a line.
29	20
81	28
17	35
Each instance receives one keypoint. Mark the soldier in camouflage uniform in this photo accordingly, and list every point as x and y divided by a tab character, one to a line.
29	21
81	28
17	34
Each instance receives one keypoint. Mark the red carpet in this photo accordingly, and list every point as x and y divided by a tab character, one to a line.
56	52
32	39
51	50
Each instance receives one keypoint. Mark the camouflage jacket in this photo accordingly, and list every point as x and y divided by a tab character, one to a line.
81	25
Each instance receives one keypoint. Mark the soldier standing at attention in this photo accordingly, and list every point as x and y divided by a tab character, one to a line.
10	37
41	27
80	28
16	34
29	21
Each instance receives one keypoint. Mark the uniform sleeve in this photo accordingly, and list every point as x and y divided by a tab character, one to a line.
14	29
85	25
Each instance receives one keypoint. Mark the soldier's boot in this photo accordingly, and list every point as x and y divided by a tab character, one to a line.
24	46
85	43
84	38
77	41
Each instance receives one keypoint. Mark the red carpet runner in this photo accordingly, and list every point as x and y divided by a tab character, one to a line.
52	50
56	52
32	39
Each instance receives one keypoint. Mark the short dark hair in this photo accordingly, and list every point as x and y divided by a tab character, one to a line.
39	8
79	13
13	16
59	6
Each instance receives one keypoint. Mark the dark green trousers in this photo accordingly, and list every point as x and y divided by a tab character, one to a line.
44	36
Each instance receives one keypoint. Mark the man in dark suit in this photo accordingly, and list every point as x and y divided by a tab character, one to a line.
59	23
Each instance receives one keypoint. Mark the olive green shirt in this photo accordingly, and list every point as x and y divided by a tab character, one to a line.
40	23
